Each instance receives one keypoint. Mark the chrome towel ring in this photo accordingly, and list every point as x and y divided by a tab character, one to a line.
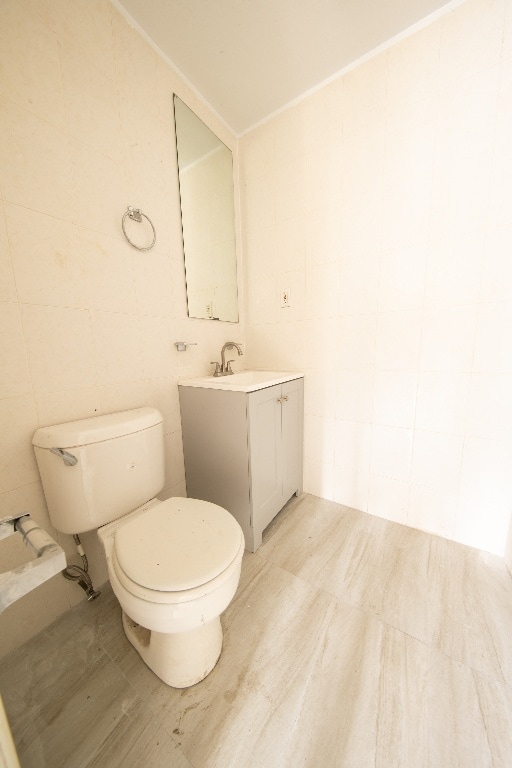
136	215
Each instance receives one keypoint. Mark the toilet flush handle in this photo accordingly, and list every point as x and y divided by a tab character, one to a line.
68	458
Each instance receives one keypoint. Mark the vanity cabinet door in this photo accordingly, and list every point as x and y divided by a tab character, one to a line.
266	465
292	421
275	422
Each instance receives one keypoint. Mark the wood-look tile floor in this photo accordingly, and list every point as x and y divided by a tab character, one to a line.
352	642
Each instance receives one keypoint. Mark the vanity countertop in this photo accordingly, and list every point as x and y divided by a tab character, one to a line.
244	381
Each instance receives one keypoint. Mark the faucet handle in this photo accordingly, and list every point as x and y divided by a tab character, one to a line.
217	367
228	366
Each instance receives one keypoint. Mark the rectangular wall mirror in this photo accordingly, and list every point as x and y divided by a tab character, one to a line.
205	171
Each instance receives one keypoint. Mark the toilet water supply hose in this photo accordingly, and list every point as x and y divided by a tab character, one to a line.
81	575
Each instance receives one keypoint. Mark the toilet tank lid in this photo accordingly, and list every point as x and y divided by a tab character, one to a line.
96	429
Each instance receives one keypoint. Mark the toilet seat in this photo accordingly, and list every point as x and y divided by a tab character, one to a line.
176	550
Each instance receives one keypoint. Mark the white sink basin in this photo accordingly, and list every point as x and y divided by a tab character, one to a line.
245	381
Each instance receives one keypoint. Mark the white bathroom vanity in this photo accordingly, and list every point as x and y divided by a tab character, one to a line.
242	443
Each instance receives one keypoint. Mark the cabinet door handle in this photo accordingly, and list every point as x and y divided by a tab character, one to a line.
282	399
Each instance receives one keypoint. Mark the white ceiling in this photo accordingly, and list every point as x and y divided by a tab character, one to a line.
249	58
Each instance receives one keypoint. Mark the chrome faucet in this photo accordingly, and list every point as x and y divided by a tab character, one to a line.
224	367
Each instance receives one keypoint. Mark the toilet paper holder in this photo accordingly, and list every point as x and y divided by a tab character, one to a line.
49	560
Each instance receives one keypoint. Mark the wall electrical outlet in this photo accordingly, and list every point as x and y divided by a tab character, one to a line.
285	298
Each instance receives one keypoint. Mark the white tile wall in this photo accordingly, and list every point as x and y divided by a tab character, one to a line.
398	340
391	452
408	362
436	460
402	277
394	399
87	323
442	401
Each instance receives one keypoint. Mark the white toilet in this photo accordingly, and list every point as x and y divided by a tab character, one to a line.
174	565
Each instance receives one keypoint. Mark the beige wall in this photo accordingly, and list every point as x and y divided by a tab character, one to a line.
382	204
87	322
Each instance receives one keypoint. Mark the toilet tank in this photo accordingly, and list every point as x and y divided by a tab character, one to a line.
119	466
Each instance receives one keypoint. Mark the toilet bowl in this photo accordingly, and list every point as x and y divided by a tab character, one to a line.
174	565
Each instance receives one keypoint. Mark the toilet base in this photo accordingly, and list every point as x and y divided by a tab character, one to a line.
182	659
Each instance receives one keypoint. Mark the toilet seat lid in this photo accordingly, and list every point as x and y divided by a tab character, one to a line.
178	544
